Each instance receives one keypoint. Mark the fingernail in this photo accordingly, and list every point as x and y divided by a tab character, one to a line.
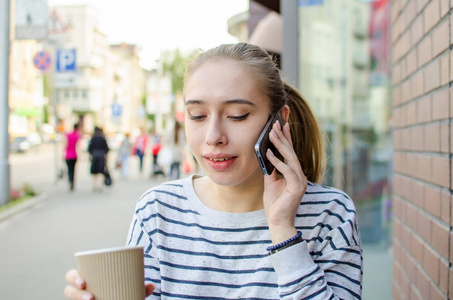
79	282
87	296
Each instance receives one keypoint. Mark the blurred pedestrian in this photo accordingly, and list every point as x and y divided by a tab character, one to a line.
140	147
177	148
156	147
98	150
124	153
70	157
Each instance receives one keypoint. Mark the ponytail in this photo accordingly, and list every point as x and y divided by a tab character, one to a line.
305	135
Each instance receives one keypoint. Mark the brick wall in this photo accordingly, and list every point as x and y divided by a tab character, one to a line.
422	71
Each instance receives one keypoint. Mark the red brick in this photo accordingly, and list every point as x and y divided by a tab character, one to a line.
420	5
417	139
450	284
444	137
416	83
417	30
405	92
418	194
440	238
441	103
441	171
451	249
441	38
424	227
435	293
431	264
446	206
414	294
443	276
451	102
411	113
432	76
417	248
411	221
444	7
451	65
411	66
423	284
409	13
424	169
431	15
410	268
445	69
424	109
432	200
431	137
396	75
425	52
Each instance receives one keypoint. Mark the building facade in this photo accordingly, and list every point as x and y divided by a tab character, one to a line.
422	113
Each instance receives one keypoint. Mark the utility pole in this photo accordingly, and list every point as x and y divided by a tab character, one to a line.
4	106
290	41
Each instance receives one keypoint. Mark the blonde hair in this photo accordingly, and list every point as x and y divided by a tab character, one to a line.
305	132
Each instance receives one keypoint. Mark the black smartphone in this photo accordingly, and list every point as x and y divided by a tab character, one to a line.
263	143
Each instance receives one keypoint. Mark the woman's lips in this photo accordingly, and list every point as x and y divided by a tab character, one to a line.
220	163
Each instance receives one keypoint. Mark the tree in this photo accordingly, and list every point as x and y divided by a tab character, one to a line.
174	63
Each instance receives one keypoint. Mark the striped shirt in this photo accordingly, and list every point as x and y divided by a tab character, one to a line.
195	252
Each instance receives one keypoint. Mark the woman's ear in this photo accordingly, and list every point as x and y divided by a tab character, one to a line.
284	111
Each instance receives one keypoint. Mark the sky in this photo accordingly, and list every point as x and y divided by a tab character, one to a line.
157	25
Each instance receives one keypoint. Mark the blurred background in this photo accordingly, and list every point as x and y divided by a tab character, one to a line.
120	64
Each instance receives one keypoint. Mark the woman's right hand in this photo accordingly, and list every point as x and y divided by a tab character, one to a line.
75	289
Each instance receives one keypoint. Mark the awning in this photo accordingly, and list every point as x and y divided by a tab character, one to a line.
268	33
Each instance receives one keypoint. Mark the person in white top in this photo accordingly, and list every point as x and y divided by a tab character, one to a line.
236	233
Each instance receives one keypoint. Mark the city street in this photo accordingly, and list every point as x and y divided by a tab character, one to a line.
37	245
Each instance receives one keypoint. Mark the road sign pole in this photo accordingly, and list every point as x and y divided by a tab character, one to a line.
4	106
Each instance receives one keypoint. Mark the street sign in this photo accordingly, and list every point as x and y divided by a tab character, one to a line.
310	2
116	110
66	60
42	60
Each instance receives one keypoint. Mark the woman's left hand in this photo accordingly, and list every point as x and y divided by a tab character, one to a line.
282	194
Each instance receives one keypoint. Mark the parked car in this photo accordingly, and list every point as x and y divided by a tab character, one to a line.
20	144
34	138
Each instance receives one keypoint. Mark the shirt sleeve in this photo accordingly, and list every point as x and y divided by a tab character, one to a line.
138	236
335	274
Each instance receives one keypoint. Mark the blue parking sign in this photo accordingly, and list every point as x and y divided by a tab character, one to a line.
116	110
310	2
66	60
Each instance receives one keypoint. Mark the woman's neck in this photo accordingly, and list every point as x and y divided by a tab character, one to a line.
242	198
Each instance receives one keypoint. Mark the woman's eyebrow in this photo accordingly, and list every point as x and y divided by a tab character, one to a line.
227	102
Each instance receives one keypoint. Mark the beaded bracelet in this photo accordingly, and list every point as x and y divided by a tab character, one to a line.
283	245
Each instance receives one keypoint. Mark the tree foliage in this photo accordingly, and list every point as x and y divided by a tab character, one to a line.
174	63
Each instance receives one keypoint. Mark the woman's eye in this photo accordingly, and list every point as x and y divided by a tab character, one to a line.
240	118
196	117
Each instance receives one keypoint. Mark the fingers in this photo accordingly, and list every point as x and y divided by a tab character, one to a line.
75	288
73	293
149	287
282	141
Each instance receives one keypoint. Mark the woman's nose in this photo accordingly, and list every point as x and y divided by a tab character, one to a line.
215	134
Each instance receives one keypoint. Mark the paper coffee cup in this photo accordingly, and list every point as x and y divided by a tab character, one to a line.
113	273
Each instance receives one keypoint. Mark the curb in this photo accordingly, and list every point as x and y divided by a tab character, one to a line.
23	206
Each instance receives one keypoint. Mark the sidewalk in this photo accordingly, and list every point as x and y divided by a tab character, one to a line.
38	241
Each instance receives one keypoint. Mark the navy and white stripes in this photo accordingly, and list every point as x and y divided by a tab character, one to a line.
194	252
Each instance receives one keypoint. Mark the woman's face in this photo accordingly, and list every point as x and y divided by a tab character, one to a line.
225	113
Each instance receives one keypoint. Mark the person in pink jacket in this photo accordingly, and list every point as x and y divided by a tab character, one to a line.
72	139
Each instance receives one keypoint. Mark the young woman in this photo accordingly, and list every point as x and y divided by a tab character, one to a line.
236	233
